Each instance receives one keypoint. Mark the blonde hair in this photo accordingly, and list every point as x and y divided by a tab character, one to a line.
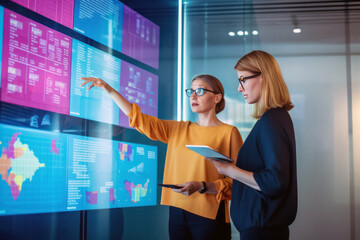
274	92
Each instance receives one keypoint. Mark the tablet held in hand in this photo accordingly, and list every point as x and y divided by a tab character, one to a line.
169	186
208	152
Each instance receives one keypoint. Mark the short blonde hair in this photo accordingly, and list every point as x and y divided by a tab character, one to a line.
274	92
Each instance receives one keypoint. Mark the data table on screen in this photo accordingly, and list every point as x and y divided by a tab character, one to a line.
32	171
108	174
94	104
61	11
101	21
140	87
36	69
141	38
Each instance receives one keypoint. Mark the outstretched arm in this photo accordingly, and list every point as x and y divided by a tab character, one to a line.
123	104
151	126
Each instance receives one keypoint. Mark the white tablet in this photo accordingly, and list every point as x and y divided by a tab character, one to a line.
208	152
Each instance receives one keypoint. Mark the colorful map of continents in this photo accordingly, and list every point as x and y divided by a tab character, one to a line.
18	164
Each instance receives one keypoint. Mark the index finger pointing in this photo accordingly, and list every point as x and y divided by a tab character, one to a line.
85	82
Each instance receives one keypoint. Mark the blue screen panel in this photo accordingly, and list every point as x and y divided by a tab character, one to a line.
109	174
95	104
101	21
91	173
32	171
1	36
137	180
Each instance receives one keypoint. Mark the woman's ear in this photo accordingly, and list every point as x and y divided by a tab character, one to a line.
218	98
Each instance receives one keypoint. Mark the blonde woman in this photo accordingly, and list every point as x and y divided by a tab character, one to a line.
264	197
200	208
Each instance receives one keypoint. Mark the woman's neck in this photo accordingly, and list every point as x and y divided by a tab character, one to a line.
208	119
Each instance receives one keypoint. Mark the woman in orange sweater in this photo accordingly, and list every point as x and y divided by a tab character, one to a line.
200	208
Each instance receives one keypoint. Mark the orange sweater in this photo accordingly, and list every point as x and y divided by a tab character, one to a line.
183	165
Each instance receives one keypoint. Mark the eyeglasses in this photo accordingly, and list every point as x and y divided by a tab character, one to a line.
198	92
242	79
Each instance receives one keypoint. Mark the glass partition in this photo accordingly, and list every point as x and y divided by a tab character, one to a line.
317	47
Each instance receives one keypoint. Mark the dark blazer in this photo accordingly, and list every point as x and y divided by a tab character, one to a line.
269	152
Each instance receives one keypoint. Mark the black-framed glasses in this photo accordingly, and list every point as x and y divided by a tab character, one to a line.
198	92
242	79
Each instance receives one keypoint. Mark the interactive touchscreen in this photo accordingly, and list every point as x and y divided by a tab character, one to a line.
140	87
101	21
36	65
94	104
107	174
52	158
140	38
32	171
61	11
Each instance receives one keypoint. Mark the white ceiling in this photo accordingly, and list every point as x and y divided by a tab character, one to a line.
321	21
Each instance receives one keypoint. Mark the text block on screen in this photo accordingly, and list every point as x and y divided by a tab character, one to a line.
101	21
94	104
61	11
36	66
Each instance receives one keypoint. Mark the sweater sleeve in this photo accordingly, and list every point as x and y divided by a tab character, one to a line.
273	179
224	186
152	127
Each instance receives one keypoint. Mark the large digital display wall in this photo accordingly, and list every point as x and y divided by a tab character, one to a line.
61	167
